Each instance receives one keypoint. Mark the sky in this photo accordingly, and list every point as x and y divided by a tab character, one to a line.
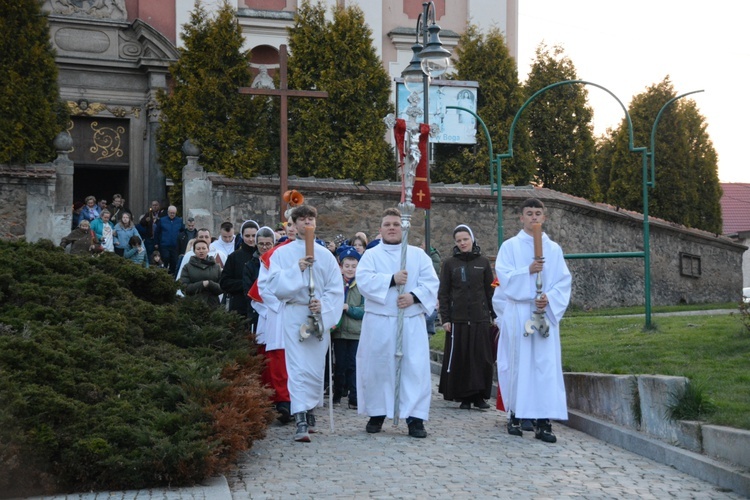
629	46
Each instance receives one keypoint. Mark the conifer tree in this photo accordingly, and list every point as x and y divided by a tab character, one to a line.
559	120
340	136
31	109
204	104
486	59
687	189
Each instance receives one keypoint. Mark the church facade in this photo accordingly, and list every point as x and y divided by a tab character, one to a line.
114	55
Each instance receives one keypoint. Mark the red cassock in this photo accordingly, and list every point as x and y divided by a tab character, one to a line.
274	374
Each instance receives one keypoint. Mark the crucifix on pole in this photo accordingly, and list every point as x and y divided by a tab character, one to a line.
285	93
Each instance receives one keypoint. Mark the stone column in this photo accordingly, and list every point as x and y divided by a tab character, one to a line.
196	189
62	211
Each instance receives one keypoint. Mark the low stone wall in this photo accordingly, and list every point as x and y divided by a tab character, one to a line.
27	194
640	402
578	225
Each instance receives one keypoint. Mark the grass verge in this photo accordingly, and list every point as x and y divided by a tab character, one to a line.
713	351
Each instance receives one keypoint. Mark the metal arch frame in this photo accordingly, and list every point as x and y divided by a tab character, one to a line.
646	154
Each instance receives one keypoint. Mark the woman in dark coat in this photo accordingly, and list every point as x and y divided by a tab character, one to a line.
82	240
465	298
200	276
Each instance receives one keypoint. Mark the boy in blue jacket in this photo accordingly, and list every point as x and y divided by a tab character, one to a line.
346	334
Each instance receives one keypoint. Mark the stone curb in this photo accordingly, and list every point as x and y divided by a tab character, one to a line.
215	488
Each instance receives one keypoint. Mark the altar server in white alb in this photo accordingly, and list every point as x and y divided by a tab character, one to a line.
378	276
530	367
288	279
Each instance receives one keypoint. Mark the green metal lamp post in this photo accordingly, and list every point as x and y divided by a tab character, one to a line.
495	187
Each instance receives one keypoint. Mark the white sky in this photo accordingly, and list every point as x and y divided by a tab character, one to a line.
631	45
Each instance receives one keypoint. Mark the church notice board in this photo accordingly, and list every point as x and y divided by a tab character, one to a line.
456	126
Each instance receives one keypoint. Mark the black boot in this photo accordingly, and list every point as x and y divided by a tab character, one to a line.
285	413
301	435
480	403
375	424
416	427
543	431
514	425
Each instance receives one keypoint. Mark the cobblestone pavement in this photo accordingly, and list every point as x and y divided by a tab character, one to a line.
466	454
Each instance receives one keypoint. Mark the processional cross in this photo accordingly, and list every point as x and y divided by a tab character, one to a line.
285	93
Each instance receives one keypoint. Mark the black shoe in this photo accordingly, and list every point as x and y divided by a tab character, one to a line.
352	404
285	413
337	401
416	427
514	426
481	404
543	431
465	406
527	424
375	424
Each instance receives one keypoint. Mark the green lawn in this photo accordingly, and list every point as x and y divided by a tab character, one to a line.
713	351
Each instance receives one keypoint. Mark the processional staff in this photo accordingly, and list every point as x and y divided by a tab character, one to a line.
537	322
411	138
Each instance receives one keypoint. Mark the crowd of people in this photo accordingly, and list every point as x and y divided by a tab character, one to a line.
376	310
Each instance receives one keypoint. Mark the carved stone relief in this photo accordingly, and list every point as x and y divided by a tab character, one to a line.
98	9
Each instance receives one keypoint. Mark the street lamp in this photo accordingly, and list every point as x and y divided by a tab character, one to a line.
429	60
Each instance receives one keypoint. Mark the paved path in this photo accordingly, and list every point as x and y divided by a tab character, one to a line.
466	454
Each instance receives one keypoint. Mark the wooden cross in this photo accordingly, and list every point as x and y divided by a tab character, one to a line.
284	92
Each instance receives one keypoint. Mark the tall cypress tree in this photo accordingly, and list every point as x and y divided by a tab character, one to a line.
341	136
204	104
487	60
32	112
687	189
562	136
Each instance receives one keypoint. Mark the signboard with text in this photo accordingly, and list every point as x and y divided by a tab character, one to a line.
456	127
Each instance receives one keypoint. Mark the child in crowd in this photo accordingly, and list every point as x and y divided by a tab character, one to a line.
346	334
136	251
156	260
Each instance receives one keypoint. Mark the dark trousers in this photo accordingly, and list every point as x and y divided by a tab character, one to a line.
345	369
170	257
148	243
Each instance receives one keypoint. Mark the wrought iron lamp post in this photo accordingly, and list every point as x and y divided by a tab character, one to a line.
429	60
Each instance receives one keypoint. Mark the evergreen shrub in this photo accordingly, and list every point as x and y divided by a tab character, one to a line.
108	381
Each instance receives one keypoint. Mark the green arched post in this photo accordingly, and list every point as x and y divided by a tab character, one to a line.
494	162
646	154
652	183
631	147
